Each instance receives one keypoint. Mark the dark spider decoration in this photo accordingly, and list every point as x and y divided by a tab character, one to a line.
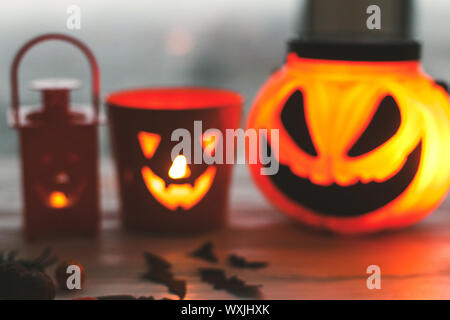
25	279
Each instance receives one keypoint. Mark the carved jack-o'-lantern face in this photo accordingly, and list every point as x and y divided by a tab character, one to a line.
362	147
179	192
61	181
160	189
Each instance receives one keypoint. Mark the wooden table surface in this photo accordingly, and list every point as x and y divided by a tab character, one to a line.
304	264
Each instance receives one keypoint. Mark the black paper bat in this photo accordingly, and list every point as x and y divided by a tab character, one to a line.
159	271
241	262
233	285
205	252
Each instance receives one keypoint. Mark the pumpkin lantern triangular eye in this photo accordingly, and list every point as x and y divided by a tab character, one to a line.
294	121
383	126
149	143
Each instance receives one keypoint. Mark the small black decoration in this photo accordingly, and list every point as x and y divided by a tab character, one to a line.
23	279
159	271
205	252
233	285
241	262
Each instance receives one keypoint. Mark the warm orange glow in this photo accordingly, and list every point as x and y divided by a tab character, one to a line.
340	98
178	195
149	143
209	143
174	195
58	200
179	168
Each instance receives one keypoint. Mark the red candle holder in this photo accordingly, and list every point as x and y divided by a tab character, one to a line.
59	153
158	193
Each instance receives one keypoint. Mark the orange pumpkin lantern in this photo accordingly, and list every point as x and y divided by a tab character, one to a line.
363	145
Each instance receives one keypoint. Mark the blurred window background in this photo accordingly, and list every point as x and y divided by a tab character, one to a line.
233	44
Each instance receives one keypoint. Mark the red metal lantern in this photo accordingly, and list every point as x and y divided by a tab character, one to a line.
59	150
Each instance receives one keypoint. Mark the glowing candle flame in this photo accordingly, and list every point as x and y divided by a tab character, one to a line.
179	168
209	143
58	200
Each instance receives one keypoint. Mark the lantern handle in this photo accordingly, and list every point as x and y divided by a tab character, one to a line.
95	75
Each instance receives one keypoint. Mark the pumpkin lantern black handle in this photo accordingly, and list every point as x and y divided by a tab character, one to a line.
95	76
443	84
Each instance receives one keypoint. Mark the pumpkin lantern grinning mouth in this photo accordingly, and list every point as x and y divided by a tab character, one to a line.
178	195
347	201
